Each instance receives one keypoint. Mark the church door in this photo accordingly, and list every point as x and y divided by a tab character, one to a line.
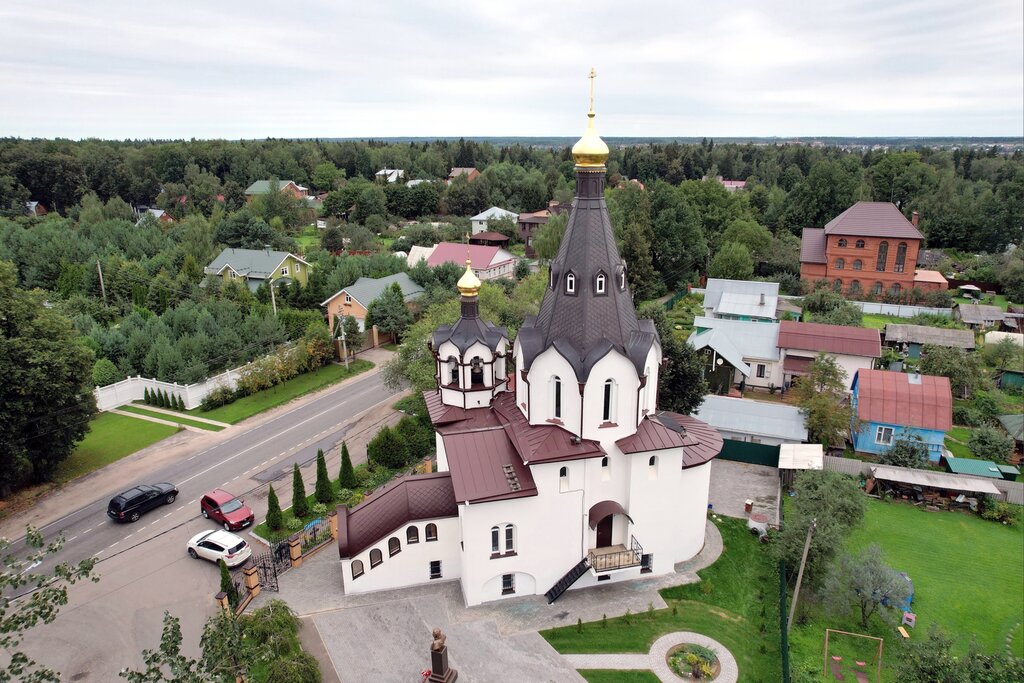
604	532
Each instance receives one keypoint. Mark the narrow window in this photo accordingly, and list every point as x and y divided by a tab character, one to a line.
551	273
357	569
348	299
858	264
394	546
842	243
855	287
604	462
453	371
431	532
622	277
510	538
476	371
563	479
652	461
883	254
901	257
508	584
652	467
298	267
876	288
376	557
557	387
495	540
837	286
860	244
760	370
412	535
840	264
284	271
435	569
897	288
570	284
599	284
607	412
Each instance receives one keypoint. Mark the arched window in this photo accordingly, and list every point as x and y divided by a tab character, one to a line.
858	264
842	243
896	288
652	461
860	244
570	283
412	535
431	532
876	288
604	461
495	540
837	286
840	264
357	569
652	467
556	389
376	557
563	479
394	546
476	370
503	539
883	254
453	371
855	287
901	257
608	412
622	277
600	283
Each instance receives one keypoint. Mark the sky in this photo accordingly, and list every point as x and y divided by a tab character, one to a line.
380	68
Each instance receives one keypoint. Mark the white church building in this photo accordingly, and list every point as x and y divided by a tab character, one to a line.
556	470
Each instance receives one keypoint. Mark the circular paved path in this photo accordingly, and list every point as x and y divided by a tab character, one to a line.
655	659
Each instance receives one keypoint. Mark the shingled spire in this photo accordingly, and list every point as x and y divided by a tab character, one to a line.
587	309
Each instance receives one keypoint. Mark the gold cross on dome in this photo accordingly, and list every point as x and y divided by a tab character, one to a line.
592	76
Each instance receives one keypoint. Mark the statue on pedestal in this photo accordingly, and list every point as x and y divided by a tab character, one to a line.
440	672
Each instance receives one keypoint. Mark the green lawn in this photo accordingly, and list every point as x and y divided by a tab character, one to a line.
736	603
110	438
172	418
876	321
282	393
958	449
967	575
308	239
612	676
998	300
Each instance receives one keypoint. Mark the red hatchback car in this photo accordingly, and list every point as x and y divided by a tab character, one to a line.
223	508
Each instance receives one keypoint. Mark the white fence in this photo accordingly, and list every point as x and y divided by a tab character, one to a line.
900	310
134	389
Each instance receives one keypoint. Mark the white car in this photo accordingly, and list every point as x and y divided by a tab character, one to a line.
219	545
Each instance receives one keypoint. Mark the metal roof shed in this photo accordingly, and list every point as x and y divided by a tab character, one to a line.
801	456
935	480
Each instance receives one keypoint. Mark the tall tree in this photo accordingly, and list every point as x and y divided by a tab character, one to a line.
962	368
300	506
389	312
732	262
548	238
347	475
636	252
274	515
324	491
865	583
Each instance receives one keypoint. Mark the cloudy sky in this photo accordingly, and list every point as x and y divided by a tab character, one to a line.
339	68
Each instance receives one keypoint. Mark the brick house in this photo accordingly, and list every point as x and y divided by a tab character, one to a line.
470	173
870	248
263	187
355	299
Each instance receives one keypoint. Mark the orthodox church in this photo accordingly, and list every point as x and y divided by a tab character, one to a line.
556	470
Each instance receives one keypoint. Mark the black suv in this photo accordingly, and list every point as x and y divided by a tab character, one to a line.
129	506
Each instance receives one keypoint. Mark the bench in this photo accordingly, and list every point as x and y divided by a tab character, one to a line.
903	632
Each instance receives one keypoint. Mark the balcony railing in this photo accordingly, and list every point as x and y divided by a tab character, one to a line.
607	559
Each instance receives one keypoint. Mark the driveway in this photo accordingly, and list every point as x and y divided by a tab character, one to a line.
732	483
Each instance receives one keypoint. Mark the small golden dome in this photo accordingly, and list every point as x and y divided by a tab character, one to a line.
469	283
590	151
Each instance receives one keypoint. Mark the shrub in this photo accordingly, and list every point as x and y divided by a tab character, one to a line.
1000	511
324	491
298	667
274	519
388	449
227	585
347	476
104	372
967	416
907	451
320	509
419	440
221	396
294	524
147	398
300	506
988	443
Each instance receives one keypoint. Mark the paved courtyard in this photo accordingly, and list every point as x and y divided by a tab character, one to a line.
385	636
732	483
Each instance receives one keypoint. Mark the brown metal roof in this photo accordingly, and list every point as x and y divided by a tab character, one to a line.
489	237
873	219
599	511
703	442
854	341
922	401
441	413
812	246
485	466
542	443
391	507
797	366
700	441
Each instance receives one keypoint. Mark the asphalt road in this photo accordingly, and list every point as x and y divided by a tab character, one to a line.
144	570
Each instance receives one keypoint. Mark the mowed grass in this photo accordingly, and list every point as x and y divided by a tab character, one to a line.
736	603
612	676
284	392
968	576
110	438
876	321
180	419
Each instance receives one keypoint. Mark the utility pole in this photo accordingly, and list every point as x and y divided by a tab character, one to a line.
800	574
273	299
103	288
339	325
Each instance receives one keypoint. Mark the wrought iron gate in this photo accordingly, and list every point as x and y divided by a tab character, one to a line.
271	563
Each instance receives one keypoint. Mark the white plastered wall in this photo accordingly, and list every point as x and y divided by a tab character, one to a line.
411	566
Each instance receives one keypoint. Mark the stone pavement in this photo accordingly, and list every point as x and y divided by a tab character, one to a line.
385	635
732	483
656	659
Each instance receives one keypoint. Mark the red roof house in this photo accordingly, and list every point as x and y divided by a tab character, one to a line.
489	263
889	405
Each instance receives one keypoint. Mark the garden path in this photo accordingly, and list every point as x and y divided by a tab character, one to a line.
656	661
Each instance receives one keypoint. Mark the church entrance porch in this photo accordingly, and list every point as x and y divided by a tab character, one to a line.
604	532
610	557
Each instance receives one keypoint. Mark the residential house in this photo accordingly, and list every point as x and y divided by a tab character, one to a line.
909	339
418	253
481	221
528	223
567	477
871	248
742	300
489	263
738	352
256	266
159	214
490	239
891	405
470	173
853	348
978	316
741	419
416	181
729	185
35	209
389	175
288	186
355	299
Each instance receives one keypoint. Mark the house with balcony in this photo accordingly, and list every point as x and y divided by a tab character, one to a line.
888	406
556	469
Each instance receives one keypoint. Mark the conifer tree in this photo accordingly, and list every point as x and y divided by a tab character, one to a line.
300	506
347	478
274	517
227	585
146	397
324	491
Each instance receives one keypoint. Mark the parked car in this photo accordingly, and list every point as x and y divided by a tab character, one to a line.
219	545
227	510
133	503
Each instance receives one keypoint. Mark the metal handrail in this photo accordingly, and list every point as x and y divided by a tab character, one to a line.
618	560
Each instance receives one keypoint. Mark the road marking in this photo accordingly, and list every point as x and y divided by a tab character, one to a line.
263	463
72	538
226	483
141	529
281	454
167	515
236	477
87	531
180	509
193	501
113	544
128	536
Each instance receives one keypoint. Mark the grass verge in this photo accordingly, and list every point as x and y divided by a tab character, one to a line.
282	393
613	676
736	603
110	438
171	418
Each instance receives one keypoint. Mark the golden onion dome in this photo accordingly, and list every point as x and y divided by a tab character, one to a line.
469	283
590	151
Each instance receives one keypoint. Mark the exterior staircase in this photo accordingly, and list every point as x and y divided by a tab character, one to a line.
569	579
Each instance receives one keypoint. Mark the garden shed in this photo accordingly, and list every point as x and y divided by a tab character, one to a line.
924	482
980	468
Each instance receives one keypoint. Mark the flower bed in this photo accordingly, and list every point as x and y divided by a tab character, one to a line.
693	662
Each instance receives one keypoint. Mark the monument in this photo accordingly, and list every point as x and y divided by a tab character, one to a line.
440	672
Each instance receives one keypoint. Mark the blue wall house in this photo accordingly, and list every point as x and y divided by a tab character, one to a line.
890	405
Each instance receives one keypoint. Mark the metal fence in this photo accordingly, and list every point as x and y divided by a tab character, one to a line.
753	453
315	534
900	310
